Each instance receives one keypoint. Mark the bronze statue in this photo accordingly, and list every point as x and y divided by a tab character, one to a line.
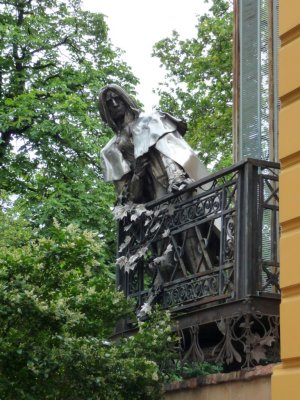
148	157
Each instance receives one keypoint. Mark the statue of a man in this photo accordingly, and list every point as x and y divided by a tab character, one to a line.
148	157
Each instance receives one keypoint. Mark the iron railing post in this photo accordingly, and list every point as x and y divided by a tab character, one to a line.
248	214
239	270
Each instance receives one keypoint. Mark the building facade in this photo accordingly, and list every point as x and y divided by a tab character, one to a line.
286	377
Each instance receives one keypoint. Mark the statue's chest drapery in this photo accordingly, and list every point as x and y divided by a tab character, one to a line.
125	144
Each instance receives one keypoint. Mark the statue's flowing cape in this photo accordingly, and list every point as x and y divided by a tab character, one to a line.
159	130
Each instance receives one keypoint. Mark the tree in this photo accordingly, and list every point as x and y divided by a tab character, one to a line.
58	309
54	58
199	83
58	302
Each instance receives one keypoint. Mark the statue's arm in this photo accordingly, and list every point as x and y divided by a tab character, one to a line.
138	177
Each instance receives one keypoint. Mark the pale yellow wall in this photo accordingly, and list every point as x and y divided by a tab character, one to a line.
258	389
286	377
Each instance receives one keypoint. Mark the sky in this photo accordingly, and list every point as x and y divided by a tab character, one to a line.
136	25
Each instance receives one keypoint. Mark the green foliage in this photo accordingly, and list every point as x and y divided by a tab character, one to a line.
192	370
199	83
54	58
58	307
14	231
58	302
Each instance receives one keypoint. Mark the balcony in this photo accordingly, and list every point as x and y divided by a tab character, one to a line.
209	254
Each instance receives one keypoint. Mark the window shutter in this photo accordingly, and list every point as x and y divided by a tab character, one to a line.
257	130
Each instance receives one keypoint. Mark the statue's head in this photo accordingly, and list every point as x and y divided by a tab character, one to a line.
115	104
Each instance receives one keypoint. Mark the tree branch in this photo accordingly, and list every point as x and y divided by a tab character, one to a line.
22	184
39	66
63	41
5	141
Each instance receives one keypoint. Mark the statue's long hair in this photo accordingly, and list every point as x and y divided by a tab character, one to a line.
104	112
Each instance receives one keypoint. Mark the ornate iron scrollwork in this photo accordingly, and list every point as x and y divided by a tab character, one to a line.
247	338
212	245
193	289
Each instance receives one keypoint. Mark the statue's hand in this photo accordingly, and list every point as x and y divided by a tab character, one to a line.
179	185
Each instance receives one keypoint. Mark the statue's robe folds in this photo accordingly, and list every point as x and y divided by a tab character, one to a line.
155	137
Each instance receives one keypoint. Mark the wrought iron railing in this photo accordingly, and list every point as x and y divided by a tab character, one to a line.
207	253
213	241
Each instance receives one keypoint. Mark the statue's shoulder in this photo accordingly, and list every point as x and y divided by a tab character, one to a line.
146	117
164	119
